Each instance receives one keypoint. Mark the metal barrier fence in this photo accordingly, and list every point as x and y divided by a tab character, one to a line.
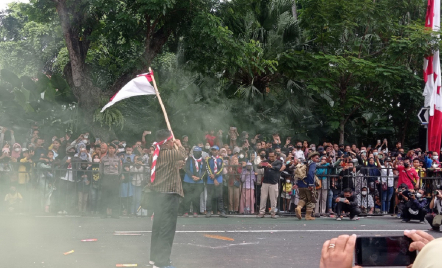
50	189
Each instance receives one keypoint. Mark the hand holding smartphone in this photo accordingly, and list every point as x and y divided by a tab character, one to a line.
384	251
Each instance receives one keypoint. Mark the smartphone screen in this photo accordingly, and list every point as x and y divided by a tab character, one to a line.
383	251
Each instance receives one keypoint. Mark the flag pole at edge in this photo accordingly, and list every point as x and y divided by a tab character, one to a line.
161	102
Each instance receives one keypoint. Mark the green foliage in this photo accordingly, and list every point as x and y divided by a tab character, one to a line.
47	101
344	69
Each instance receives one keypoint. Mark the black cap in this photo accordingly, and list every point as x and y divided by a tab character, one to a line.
112	145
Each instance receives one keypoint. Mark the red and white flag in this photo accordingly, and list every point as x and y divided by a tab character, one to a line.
432	77
138	86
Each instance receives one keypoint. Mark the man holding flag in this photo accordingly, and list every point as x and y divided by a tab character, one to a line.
166	192
165	185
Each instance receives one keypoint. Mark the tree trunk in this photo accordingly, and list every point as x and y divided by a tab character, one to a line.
76	37
341	131
294	10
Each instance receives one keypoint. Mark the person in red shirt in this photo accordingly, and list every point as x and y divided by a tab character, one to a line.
210	138
407	175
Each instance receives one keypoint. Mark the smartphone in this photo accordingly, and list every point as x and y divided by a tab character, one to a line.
383	251
342	200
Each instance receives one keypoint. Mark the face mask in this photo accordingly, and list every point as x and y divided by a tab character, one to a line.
86	136
121	150
288	181
314	148
435	157
406	165
85	141
288	162
241	156
249	167
124	144
375	153
434	165
418	195
17	149
381	156
262	155
71	153
224	154
364	192
298	146
96	160
83	167
207	147
197	155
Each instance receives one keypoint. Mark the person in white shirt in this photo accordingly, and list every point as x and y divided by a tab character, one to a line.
436	205
387	184
299	153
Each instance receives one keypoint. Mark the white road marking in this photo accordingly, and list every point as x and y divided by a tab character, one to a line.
274	231
218	247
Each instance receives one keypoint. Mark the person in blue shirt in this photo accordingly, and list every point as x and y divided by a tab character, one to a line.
306	188
129	155
214	184
193	185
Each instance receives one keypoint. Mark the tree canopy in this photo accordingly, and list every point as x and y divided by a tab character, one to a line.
311	69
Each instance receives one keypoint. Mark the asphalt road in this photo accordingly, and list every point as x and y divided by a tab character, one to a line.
35	241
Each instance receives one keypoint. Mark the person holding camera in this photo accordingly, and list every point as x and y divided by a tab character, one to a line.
401	198
436	207
269	188
347	201
407	175
415	207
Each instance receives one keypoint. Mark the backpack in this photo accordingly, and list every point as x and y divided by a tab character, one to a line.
301	173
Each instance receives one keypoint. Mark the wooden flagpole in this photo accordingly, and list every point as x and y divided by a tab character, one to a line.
161	102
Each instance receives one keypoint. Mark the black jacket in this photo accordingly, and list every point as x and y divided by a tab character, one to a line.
352	199
347	179
272	175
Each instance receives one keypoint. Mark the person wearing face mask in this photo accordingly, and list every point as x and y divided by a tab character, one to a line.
429	157
436	207
16	151
386	184
207	147
322	170
83	186
270	181
214	166
193	184
299	152
248	179
259	174
415	207
138	171
234	182
110	170
66	184
365	201
95	186
407	175
83	154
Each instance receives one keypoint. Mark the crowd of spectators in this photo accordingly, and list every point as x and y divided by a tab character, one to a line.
223	173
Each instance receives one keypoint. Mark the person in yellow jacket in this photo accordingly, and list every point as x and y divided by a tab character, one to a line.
24	167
